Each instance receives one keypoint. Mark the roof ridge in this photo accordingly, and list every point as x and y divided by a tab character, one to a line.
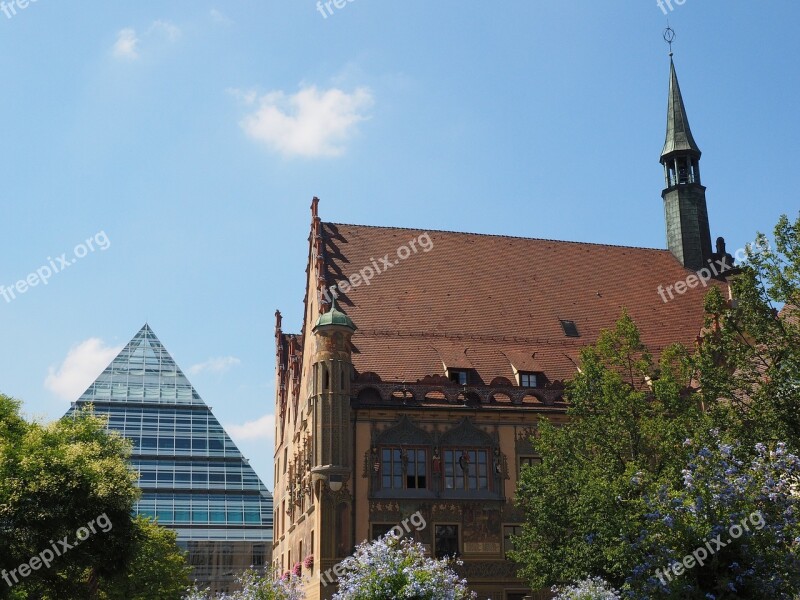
496	235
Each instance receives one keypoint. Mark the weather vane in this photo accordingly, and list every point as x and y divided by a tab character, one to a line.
669	37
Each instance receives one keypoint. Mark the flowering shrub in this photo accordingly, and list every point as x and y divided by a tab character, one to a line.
592	588
297	570
714	513
399	569
308	562
257	586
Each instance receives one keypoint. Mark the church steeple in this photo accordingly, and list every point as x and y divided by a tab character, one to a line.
679	134
685	210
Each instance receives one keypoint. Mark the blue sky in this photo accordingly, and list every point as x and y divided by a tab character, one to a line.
191	137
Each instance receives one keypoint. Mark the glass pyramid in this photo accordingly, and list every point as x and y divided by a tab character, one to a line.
193	477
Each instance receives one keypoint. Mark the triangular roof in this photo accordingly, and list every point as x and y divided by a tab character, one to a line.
679	134
143	370
193	477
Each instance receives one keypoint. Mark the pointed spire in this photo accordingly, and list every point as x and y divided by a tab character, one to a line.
679	134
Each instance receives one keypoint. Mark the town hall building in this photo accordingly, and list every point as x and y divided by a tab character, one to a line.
426	360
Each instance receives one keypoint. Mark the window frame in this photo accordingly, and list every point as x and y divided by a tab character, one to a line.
527	460
505	526
570	328
457	526
452	373
528	374
458	452
403	474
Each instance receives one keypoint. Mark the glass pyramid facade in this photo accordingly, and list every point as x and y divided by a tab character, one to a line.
193	477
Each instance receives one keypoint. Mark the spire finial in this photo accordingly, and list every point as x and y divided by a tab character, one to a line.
669	37
334	295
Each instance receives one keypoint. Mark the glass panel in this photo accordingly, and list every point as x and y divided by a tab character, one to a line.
235	516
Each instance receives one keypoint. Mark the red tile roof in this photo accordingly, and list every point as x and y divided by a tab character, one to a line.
490	301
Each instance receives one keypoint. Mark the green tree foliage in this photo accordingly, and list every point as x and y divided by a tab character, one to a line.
56	479
157	569
628	421
748	366
613	497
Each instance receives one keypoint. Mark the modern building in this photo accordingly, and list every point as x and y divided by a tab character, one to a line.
427	359
193	477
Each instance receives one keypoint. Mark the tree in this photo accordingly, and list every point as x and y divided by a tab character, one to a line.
398	569
628	421
66	498
56	482
748	366
157	569
730	531
636	482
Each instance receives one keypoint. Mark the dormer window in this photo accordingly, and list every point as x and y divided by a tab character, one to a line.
458	376
527	379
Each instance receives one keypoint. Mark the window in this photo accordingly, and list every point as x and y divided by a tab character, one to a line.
258	555
459	376
404	468
529	461
466	469
528	379
380	529
446	540
509	531
570	328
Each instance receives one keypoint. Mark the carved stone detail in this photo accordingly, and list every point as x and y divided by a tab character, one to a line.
466	434
403	433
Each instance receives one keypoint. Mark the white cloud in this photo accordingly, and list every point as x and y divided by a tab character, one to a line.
262	428
126	44
166	29
219	17
310	123
215	365
80	368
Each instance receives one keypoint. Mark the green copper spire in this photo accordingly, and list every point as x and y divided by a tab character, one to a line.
685	210
679	134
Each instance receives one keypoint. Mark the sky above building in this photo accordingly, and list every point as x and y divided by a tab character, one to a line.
160	158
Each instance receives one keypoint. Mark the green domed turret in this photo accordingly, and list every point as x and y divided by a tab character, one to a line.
335	317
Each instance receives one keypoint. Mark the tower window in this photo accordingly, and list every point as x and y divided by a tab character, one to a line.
570	328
